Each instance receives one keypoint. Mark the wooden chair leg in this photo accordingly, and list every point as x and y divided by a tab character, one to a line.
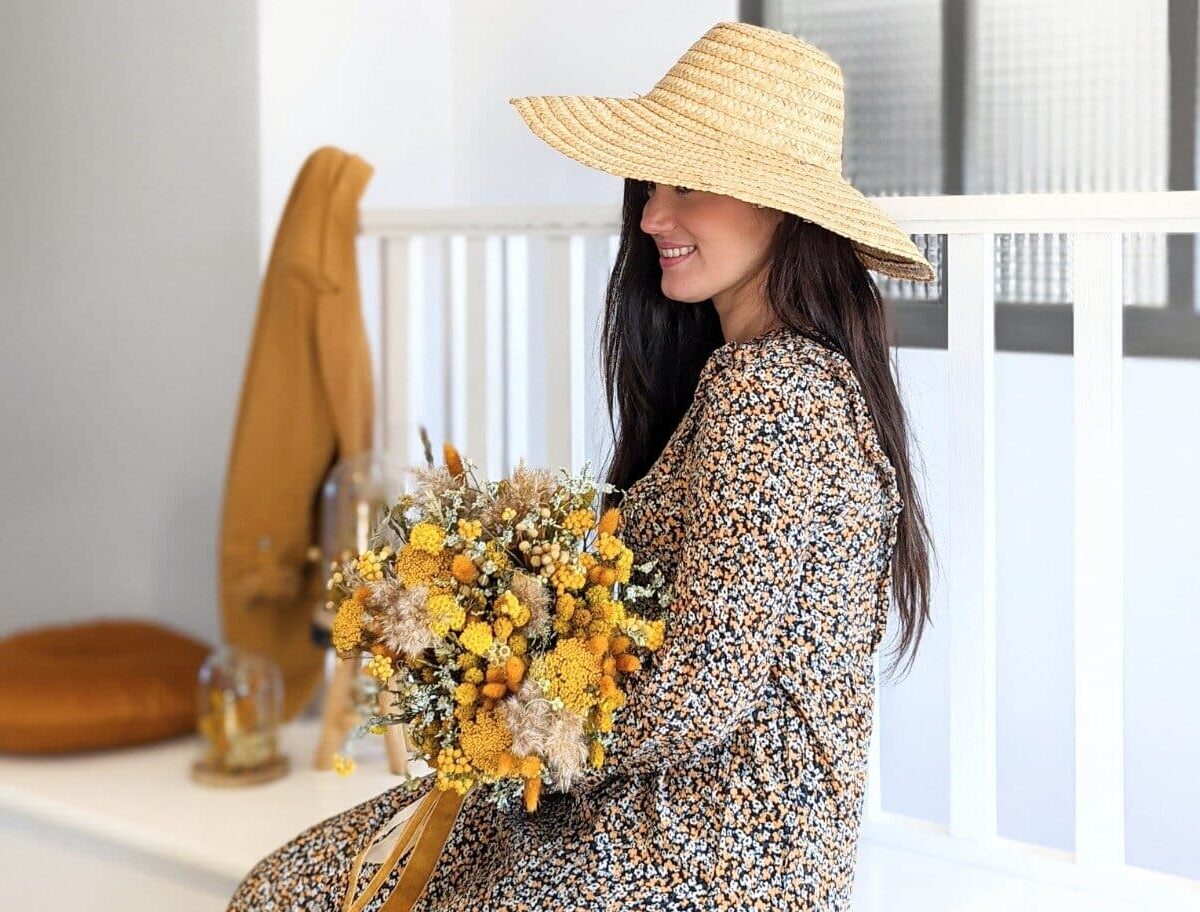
337	715
394	738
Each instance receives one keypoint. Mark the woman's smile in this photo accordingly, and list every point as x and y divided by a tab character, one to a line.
666	262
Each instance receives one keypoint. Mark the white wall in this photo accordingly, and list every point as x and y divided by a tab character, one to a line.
421	91
128	238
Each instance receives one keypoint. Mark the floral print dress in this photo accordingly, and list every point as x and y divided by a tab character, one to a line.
737	773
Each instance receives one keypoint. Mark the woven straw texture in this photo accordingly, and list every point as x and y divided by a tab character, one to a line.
748	112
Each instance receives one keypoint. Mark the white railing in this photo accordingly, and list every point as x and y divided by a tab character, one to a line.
487	322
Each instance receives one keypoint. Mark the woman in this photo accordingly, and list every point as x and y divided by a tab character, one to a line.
762	445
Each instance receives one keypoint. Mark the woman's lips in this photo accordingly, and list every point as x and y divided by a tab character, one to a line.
668	262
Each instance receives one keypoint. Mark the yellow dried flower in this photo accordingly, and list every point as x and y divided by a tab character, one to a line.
568	578
453	770
564	605
573	672
347	625
369	565
470	529
604	719
427	536
465	711
380	667
414	566
496	554
596	754
579	521
466	692
453	460
463	569
507	604
594	595
654	634
484	740
508	764
610	520
502	627
474	675
377	729
445	614
477	637
343	765
518	643
531	766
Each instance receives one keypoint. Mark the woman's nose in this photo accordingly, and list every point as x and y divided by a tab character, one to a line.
656	216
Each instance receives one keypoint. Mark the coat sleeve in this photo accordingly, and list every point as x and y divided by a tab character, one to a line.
750	481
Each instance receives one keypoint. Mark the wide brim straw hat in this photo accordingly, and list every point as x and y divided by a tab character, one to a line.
748	112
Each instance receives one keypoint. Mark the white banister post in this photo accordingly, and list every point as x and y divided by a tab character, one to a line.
516	349
479	403
970	290
1098	619
401	326
563	374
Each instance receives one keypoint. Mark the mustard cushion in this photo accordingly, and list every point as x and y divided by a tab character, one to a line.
96	684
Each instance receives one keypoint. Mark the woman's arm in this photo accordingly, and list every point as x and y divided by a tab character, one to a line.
750	482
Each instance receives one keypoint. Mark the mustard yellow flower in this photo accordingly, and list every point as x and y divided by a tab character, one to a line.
453	770
380	667
414	566
579	521
369	565
594	595
608	546
347	625
507	604
610	520
573	672
477	637
568	578
564	606
484	739
463	569
343	765
466	692
427	536
596	754
654	634
445	613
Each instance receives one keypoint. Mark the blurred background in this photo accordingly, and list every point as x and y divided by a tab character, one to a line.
1043	748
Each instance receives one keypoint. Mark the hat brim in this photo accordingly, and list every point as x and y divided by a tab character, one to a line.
643	139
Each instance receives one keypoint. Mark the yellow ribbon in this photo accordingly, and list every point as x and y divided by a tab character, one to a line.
426	833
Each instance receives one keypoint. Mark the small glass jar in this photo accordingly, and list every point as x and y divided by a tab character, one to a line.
239	706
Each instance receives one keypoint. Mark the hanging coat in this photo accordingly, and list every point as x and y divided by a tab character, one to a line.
306	402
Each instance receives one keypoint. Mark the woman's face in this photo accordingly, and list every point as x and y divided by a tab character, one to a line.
731	240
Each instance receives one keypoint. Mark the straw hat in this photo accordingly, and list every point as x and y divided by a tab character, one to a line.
748	112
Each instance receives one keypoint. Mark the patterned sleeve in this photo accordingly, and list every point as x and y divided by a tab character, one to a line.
750	485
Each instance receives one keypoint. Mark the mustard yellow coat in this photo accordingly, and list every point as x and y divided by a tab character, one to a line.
307	401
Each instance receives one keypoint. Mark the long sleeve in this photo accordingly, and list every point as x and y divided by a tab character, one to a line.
750	480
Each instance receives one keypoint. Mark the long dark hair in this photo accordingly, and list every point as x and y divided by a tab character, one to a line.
654	349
